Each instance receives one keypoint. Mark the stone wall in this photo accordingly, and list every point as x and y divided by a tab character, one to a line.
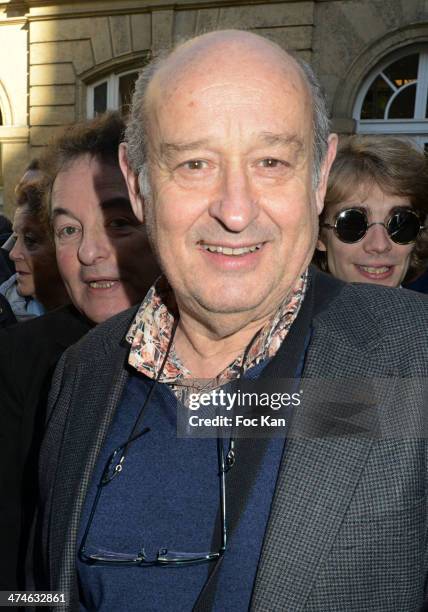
352	36
66	53
72	44
13	102
55	50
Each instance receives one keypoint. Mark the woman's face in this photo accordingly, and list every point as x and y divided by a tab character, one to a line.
375	258
34	258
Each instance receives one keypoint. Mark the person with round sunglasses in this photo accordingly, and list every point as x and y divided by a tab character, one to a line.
373	226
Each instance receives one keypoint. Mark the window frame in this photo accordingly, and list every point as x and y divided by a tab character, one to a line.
414	127
112	81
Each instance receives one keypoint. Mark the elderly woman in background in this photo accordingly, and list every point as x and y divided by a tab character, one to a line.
7	267
37	285
372	225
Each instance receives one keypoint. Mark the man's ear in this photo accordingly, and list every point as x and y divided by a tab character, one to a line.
131	179
321	246
325	171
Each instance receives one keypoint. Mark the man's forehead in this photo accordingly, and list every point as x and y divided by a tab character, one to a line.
92	170
91	179
223	56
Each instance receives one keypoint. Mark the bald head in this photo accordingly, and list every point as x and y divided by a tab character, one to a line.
228	51
221	41
231	53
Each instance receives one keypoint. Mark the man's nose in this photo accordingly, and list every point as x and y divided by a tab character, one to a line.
235	204
94	247
377	239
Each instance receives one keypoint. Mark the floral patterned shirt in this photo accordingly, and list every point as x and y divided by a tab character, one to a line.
151	330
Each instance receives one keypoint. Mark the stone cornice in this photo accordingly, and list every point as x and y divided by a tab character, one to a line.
63	9
13	134
155	4
12	21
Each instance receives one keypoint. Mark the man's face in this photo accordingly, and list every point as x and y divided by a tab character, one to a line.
101	247
232	217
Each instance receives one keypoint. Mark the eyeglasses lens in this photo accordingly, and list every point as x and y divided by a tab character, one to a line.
403	227
351	225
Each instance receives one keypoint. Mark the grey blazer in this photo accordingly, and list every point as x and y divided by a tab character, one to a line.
348	524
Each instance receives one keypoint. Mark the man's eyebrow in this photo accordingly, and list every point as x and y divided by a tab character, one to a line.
167	149
116	202
58	211
285	139
267	138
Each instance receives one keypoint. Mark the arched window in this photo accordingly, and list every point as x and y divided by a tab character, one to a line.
111	93
393	99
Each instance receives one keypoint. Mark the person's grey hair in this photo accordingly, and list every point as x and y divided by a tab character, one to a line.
135	134
320	120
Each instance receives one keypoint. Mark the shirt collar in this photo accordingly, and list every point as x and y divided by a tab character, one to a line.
151	330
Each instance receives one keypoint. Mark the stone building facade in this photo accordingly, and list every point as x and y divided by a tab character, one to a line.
66	60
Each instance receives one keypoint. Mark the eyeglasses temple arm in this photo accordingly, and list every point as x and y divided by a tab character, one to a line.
223	470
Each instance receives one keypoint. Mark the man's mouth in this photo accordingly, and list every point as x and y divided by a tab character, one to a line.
235	251
102	284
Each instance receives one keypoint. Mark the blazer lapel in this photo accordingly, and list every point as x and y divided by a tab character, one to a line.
250	451
324	458
87	425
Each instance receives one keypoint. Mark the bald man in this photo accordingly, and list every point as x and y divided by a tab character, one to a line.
160	489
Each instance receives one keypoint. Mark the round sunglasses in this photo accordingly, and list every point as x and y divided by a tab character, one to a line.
351	225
